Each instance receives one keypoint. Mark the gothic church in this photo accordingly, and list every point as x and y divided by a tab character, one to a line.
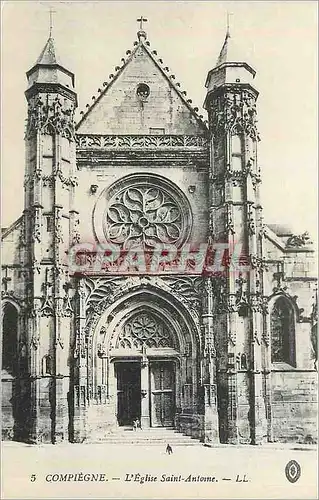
225	358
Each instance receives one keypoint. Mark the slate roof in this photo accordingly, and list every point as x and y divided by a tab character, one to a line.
48	55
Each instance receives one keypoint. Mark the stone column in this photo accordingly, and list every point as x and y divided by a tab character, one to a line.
145	393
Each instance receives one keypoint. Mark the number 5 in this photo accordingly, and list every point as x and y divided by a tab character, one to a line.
33	478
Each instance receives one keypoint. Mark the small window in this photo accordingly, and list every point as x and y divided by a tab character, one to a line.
143	91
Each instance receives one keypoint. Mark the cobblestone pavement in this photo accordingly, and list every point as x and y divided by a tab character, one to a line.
124	471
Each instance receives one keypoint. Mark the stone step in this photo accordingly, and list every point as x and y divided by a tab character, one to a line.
150	436
149	442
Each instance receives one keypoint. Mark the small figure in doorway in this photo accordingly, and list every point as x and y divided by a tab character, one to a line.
136	424
169	449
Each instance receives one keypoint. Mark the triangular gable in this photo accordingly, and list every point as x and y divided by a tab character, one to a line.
121	109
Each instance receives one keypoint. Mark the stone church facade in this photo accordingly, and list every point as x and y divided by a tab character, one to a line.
224	357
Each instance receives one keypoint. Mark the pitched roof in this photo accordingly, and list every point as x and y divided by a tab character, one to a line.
281	229
5	231
171	78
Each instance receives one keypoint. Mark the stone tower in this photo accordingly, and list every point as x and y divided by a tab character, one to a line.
49	227
236	220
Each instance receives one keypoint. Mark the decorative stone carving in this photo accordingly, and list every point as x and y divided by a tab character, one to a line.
76	235
35	266
49	180
50	116
58	234
35	342
144	330
234	112
143	215
36	225
59	342
67	306
299	241
279	277
229	222
258	263
142	211
251	220
22	234
140	142
188	288
80	347
47	308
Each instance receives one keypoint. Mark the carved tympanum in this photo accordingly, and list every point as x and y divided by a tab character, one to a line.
144	330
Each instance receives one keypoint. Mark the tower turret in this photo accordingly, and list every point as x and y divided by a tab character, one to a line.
230	67
236	219
49	228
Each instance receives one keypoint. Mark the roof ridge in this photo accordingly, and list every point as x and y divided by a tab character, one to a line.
159	63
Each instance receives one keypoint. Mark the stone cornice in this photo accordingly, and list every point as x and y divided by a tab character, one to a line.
137	150
130	158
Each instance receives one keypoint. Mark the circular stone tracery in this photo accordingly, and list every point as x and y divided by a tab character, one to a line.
144	330
142	210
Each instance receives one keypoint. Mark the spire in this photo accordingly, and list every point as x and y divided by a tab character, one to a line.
223	55
48	68
48	55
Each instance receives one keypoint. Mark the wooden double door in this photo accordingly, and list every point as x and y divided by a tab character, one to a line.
160	386
162	393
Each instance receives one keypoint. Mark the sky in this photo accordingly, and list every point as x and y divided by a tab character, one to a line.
279	39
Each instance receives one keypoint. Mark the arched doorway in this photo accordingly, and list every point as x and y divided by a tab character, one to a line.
145	351
144	363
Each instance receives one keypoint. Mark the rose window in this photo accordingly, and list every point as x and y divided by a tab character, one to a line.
144	330
144	212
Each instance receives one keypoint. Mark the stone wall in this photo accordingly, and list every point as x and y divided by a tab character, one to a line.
294	406
7	404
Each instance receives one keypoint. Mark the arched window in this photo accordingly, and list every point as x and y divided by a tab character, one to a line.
9	338
237	151
282	333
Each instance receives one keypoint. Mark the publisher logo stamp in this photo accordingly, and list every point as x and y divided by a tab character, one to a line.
293	471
